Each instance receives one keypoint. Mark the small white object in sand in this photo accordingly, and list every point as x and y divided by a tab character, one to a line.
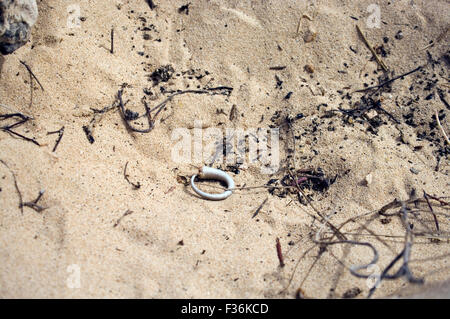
216	174
369	179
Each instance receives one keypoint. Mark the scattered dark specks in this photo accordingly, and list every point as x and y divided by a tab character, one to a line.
184	9
288	96
279	82
151	4
351	293
162	74
429	97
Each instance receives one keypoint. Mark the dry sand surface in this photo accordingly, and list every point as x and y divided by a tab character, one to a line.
173	244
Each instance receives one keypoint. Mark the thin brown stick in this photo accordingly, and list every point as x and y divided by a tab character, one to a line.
369	46
311	267
425	195
112	41
405	254
128	212
323	219
32	74
390	81
21	120
34	204
125	175
279	253
259	208
443	203
296	266
60	133
441	128
222	90
15	185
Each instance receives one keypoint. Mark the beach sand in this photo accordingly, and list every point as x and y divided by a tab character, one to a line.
173	244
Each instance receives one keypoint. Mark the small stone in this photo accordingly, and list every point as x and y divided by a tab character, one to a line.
309	36
300	294
399	35
414	171
16	19
309	68
368	180
371	114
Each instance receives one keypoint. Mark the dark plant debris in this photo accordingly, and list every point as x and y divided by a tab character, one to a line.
259	208
34	204
184	9
351	293
127	178
151	4
279	253
16	186
360	113
162	74
60	133
307	179
127	212
20	120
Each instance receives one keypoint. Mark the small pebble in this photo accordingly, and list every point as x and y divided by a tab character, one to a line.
399	35
371	114
414	171
309	68
310	36
368	179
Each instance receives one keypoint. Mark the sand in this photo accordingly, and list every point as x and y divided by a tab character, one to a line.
174	244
